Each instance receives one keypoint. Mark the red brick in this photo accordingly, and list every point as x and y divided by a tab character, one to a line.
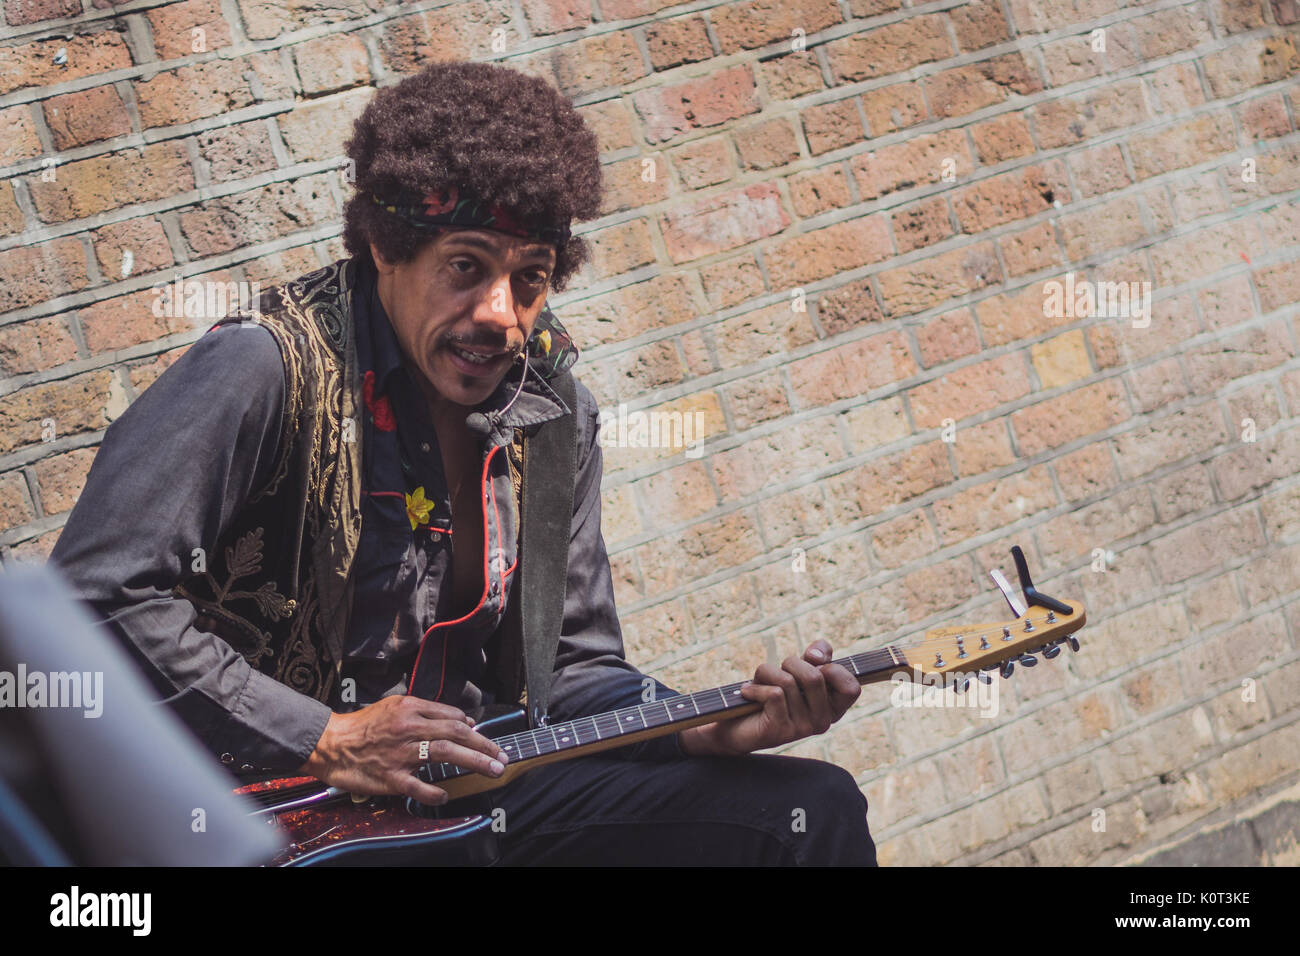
889	49
259	215
60	479
891	108
657	303
1042	16
919	161
1067	121
18	12
1072	60
824	252
1264	117
11	217
1278	285
1184	144
792	75
86	117
174	28
1187	432
755	335
979	24
1192	255
677	495
755	23
818	191
1101	228
1214	366
15	502
669	111
332	63
965	89
32	64
833	125
732	281
1252	466
131	248
1207	544
42	272
1002	138
1030	250
993	504
1011	196
1074	414
617	249
706	227
756	399
982	448
921	224
78	404
1157	384
611	121
1251	62
235	152
556	16
916	287
969	390
848	307
91	186
1087	472
1067	538
884	482
776	458
35	345
851	369
947	337
1176	89
767	145
18	139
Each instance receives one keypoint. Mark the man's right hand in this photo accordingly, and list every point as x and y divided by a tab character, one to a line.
376	750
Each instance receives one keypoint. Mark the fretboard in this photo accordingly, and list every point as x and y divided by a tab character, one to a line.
582	731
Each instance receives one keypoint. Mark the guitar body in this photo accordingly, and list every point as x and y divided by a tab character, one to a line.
381	831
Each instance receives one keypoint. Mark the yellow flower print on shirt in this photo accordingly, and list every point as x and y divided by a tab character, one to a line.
418	507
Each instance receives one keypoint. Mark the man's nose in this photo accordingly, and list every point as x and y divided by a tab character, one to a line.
496	310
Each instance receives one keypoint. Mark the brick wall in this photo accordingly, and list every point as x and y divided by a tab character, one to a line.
830	229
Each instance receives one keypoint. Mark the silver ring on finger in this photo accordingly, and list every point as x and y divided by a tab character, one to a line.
424	750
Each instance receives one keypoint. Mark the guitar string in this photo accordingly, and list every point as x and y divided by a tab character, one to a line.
942	643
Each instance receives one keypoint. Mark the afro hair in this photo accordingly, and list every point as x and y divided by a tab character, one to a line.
497	132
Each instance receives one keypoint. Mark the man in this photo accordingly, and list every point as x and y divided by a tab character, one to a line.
321	585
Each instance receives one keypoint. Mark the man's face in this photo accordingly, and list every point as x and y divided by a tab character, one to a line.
463	308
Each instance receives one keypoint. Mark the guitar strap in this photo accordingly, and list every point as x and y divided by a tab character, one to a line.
530	631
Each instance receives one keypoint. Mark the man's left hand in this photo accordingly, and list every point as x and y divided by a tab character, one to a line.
801	698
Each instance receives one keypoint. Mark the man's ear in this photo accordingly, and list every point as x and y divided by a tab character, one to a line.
381	264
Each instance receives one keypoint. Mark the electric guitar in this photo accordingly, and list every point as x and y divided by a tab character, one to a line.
327	826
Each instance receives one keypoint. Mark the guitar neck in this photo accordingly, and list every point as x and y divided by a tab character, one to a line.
629	725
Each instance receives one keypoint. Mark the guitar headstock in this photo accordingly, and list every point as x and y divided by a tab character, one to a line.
1042	624
985	646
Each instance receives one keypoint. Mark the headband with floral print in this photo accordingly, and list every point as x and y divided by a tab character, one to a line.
458	206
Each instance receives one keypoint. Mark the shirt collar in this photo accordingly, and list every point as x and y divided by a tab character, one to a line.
379	351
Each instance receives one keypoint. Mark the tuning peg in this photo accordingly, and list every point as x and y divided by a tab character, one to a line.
1028	660
1007	669
1073	642
1051	650
983	678
963	686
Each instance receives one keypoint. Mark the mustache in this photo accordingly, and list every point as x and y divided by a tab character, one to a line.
483	342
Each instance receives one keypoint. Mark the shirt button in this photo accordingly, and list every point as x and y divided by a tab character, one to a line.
227	758
246	768
424	446
435	536
495	587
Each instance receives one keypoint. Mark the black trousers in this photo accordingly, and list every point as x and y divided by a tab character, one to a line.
754	810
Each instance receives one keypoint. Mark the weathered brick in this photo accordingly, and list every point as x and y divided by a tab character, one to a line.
15	502
1004	137
1251	466
775	458
920	161
947	337
833	125
131	247
889	49
1061	360
969	391
60	479
11	217
1072	415
921	224
972	87
657	303
767	145
1251	62
755	23
1068	537
1086	472
1030	250
611	121
884	482
875	424
851	369
792	75
1207	544
919	286
1066	121
891	108
1211	367
258	215
993	504
978	25
193	26
33	11
755	335
756	399
1172	437
87	54
34	345
18	139
818	191
824	252
41	272
669	111
319	129
556	16
723	222
82	189
264	19
617	249
849	307
233	152
77	404
732	281
332	63
1011	196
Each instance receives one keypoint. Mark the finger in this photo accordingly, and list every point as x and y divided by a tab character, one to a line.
432	710
812	687
408	785
843	686
447	751
819	652
789	705
459	733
